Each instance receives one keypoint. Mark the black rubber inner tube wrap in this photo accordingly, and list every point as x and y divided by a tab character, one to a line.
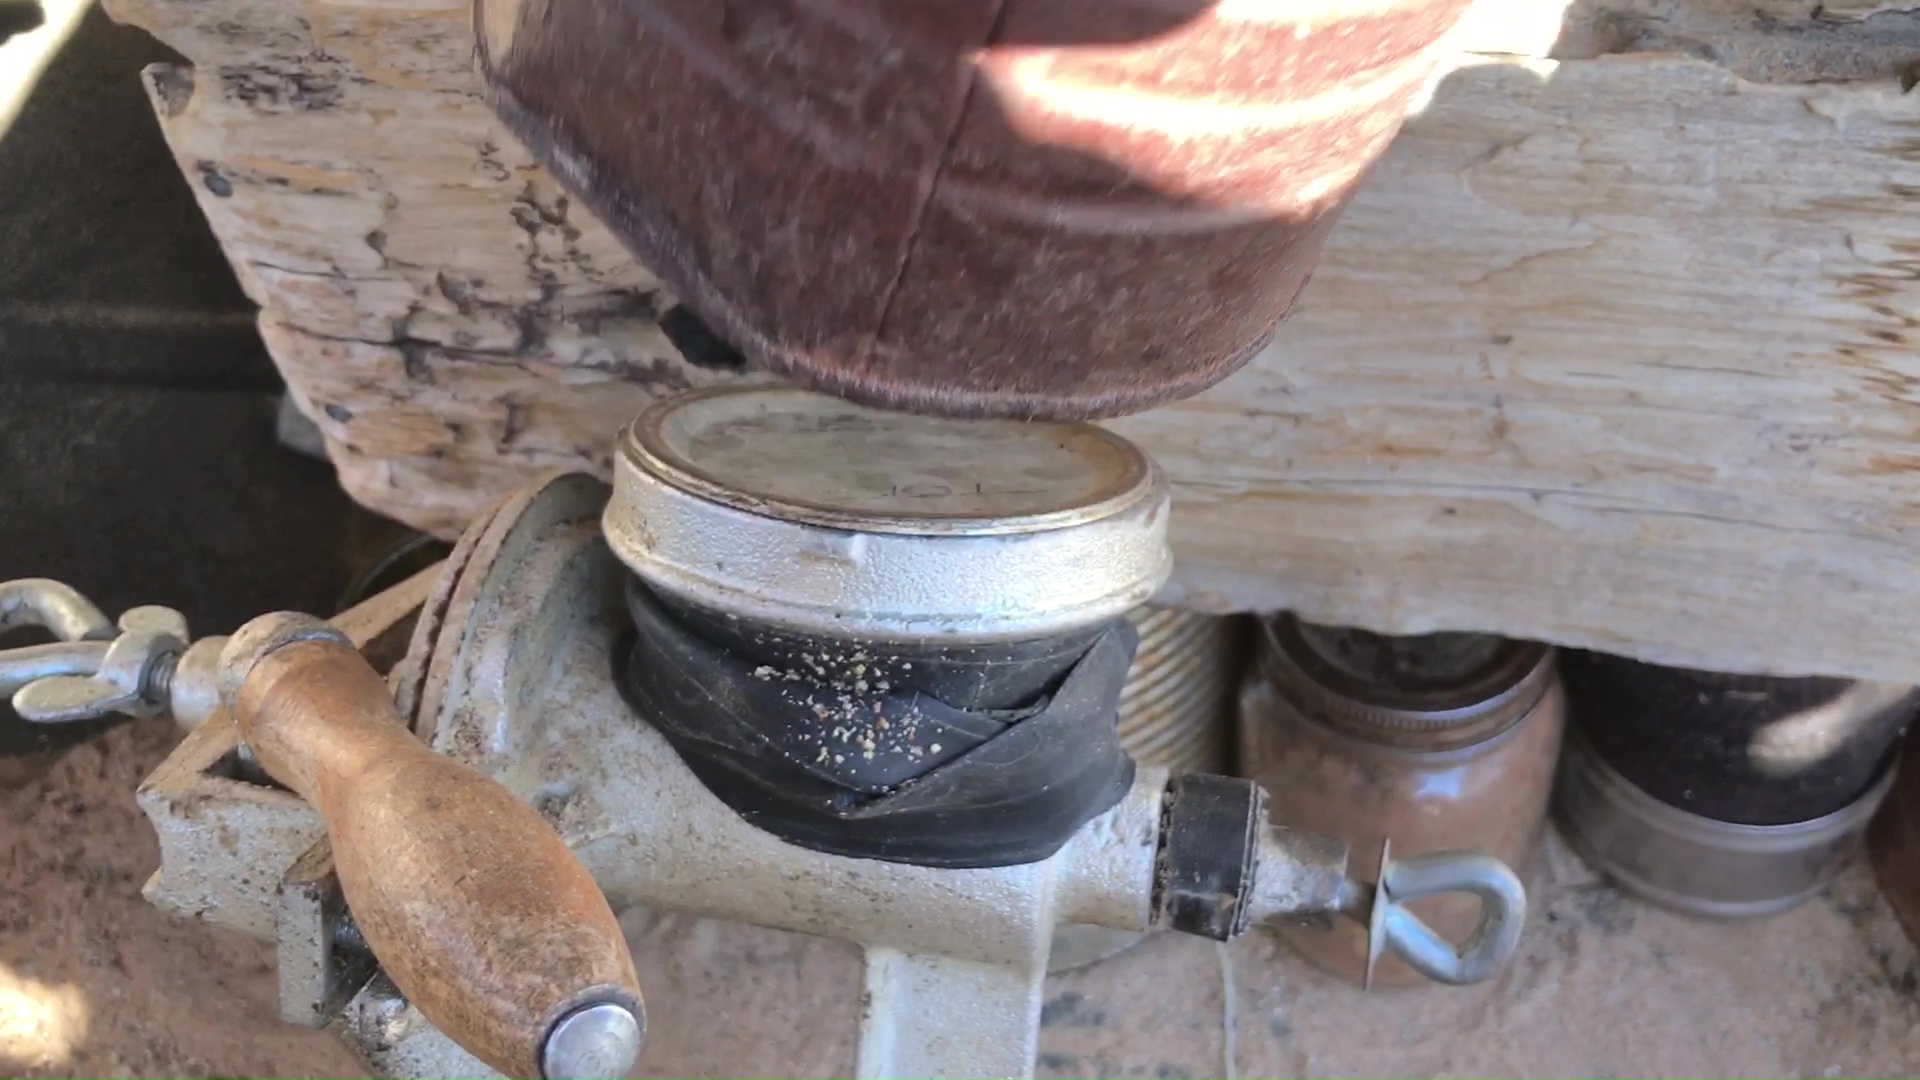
837	746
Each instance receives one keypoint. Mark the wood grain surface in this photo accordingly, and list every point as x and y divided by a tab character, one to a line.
1611	350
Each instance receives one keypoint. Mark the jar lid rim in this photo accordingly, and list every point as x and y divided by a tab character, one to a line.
1485	701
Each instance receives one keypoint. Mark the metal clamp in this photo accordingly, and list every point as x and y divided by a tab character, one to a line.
91	672
1503	914
82	629
150	639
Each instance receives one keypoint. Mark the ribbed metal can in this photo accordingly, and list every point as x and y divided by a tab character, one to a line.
1176	712
1176	709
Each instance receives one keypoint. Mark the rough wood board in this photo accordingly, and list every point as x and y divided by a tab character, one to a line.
1611	351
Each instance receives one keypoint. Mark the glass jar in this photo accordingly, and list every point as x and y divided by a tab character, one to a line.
1443	742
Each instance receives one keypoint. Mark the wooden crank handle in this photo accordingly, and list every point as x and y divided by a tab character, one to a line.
469	900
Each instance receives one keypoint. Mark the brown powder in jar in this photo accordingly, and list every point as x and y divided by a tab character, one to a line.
1489	796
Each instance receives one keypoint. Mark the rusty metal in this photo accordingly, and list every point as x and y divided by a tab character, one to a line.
985	207
1176	709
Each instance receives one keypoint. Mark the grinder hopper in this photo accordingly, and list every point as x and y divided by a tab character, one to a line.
1060	208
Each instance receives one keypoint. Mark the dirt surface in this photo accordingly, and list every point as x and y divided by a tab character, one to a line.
1603	986
94	983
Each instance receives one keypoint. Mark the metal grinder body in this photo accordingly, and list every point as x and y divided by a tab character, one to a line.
438	856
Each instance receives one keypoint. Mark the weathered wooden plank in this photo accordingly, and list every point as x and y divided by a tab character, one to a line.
439	307
1636	377
1760	40
1612	350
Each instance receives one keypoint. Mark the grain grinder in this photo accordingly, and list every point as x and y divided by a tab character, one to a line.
806	664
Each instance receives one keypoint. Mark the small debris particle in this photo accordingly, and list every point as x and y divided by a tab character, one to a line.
935	748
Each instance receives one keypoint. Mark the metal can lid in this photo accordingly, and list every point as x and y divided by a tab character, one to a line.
816	514
1430	691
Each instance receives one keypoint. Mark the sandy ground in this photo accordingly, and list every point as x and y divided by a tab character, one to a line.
94	983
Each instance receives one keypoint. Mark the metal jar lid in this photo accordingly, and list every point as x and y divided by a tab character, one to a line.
814	514
1430	692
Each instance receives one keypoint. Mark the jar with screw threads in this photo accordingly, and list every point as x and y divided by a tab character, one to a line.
1441	742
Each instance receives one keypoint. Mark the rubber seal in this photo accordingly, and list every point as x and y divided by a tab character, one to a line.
884	770
1211	841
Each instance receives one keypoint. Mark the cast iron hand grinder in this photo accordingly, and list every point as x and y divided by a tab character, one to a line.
807	665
